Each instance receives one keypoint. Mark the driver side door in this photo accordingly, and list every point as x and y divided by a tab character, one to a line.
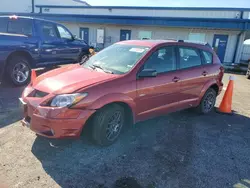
158	95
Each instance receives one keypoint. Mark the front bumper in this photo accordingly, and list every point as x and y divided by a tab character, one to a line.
54	122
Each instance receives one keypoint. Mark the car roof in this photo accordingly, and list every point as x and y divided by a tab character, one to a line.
153	43
25	17
148	43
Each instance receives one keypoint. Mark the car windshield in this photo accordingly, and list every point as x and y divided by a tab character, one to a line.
117	58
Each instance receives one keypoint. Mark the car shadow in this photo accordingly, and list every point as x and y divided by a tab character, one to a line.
154	153
159	147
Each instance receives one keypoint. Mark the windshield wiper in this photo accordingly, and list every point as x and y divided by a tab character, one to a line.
99	67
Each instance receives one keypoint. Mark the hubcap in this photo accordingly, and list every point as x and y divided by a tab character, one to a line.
20	72
114	126
209	102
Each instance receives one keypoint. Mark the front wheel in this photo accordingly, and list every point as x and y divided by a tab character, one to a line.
248	74
107	124
207	102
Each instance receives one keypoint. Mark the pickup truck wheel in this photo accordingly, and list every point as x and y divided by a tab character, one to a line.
18	70
107	124
208	101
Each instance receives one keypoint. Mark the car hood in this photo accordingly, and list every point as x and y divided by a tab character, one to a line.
69	79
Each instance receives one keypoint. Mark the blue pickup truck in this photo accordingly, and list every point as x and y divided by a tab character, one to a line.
27	43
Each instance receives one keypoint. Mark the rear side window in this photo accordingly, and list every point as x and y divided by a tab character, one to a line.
189	57
3	25
208	57
20	26
49	30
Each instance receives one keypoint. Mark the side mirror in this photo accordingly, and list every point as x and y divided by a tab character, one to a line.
147	73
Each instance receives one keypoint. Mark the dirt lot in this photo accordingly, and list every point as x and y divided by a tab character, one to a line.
178	150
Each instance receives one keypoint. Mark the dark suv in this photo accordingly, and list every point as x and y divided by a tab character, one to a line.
27	43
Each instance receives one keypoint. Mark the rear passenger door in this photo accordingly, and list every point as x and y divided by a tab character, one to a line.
193	75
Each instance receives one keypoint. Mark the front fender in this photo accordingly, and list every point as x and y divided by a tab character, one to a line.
113	98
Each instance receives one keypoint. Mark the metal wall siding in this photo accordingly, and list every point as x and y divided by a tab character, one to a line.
152	13
150	21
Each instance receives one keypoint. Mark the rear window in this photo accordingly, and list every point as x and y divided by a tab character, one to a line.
3	25
20	26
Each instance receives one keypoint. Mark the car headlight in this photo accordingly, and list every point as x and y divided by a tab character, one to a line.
67	99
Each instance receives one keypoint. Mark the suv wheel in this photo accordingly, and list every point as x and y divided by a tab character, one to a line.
208	101
107	124
18	70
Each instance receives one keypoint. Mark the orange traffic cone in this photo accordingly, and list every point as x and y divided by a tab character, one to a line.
226	103
33	75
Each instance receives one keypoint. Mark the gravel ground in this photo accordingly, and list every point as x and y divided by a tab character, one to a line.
181	149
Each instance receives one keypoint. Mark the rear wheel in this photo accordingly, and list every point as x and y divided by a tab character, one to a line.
208	101
107	124
18	70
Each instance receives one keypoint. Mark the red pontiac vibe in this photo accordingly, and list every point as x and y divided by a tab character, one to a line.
127	82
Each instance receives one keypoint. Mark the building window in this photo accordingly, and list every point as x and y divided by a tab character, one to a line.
201	37
144	35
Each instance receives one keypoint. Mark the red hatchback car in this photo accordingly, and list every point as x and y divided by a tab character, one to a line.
125	83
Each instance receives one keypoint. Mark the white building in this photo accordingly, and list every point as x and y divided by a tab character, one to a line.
223	28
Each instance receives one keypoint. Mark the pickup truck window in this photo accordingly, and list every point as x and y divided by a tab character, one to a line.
48	31
64	34
20	27
3	25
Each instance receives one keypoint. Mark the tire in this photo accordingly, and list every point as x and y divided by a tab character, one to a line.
18	70
103	126
206	106
248	74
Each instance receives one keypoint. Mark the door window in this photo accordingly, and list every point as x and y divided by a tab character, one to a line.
64	34
162	60
20	26
49	31
189	57
3	25
208	57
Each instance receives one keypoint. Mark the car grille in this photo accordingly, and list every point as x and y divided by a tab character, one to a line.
39	94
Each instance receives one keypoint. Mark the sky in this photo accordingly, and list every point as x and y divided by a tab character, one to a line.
173	3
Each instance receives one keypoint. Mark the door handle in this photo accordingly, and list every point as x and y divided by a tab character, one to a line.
176	79
204	73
